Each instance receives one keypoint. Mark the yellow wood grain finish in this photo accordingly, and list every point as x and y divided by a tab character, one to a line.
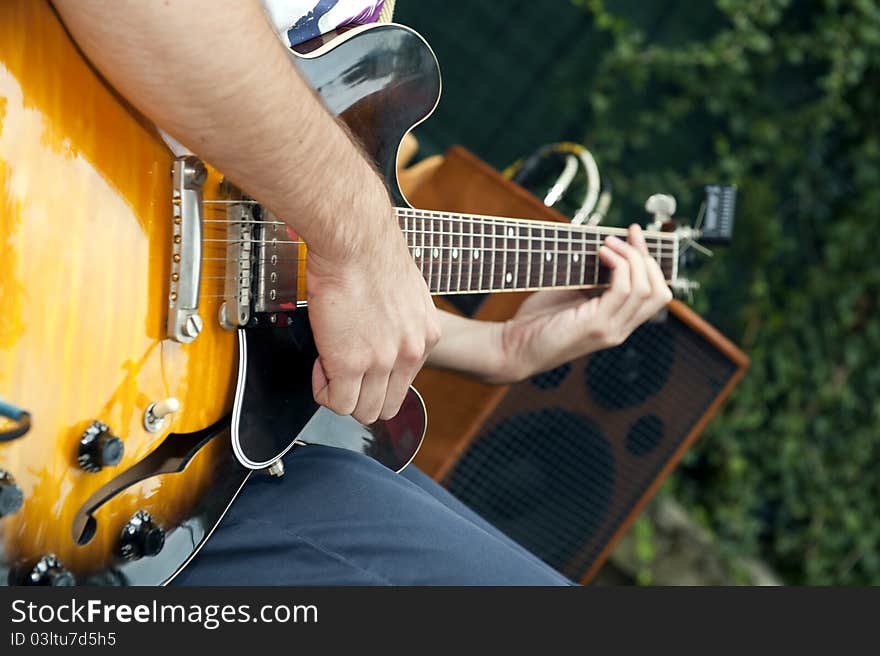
85	215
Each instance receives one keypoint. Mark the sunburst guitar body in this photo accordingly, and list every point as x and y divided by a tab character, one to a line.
129	398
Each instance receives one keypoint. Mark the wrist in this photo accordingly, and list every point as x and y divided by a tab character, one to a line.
358	226
511	362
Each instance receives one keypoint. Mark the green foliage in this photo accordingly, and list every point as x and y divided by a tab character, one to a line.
781	98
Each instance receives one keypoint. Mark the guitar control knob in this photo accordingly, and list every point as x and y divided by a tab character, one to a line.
50	571
141	537
98	448
11	496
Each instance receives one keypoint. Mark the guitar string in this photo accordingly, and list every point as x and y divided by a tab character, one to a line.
468	219
436	215
496	278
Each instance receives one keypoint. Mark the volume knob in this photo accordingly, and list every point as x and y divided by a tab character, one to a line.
50	571
11	496
141	537
98	448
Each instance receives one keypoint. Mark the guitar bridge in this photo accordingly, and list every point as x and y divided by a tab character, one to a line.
184	322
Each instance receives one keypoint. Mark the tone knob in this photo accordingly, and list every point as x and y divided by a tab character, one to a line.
50	571
11	496
141	537
98	448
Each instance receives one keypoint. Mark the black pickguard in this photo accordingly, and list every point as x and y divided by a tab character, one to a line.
274	405
276	398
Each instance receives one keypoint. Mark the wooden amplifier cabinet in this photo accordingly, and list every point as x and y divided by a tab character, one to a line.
564	462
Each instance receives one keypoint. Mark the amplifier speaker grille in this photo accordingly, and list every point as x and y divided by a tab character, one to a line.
566	457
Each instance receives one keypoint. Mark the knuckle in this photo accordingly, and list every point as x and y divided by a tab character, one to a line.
384	359
342	406
605	336
433	336
411	351
354	365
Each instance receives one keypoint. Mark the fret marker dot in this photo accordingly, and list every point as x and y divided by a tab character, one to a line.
508	277
510	232
418	252
576	257
436	252
476	255
549	256
454	253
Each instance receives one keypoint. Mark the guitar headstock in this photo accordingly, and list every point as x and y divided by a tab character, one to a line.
714	225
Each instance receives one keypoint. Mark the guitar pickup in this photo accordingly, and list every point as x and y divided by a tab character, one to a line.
184	322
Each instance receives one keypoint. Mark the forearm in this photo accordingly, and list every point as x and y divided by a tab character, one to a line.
474	348
198	69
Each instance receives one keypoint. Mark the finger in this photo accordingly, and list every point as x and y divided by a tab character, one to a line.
660	294
398	386
371	399
640	286
652	267
655	274
637	239
612	300
340	394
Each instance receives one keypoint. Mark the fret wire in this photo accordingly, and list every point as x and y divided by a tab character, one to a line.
440	268
516	259
555	259
529	261
425	252
482	253
470	259
430	255
460	263
583	276
503	252
568	266
449	271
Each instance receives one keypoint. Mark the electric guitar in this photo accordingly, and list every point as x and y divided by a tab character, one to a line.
155	348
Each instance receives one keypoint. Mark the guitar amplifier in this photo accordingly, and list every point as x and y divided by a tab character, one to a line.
564	462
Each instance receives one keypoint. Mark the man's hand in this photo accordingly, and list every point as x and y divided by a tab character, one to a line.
553	327
558	326
374	323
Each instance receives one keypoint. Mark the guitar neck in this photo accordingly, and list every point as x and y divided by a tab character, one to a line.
466	253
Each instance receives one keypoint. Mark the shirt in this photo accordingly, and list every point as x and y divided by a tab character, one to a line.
296	21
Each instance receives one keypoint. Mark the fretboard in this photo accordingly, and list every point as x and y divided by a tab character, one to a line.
465	253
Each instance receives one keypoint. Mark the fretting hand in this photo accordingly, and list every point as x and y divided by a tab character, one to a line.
554	327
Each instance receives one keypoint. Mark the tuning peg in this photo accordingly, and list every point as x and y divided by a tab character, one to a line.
684	286
661	207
